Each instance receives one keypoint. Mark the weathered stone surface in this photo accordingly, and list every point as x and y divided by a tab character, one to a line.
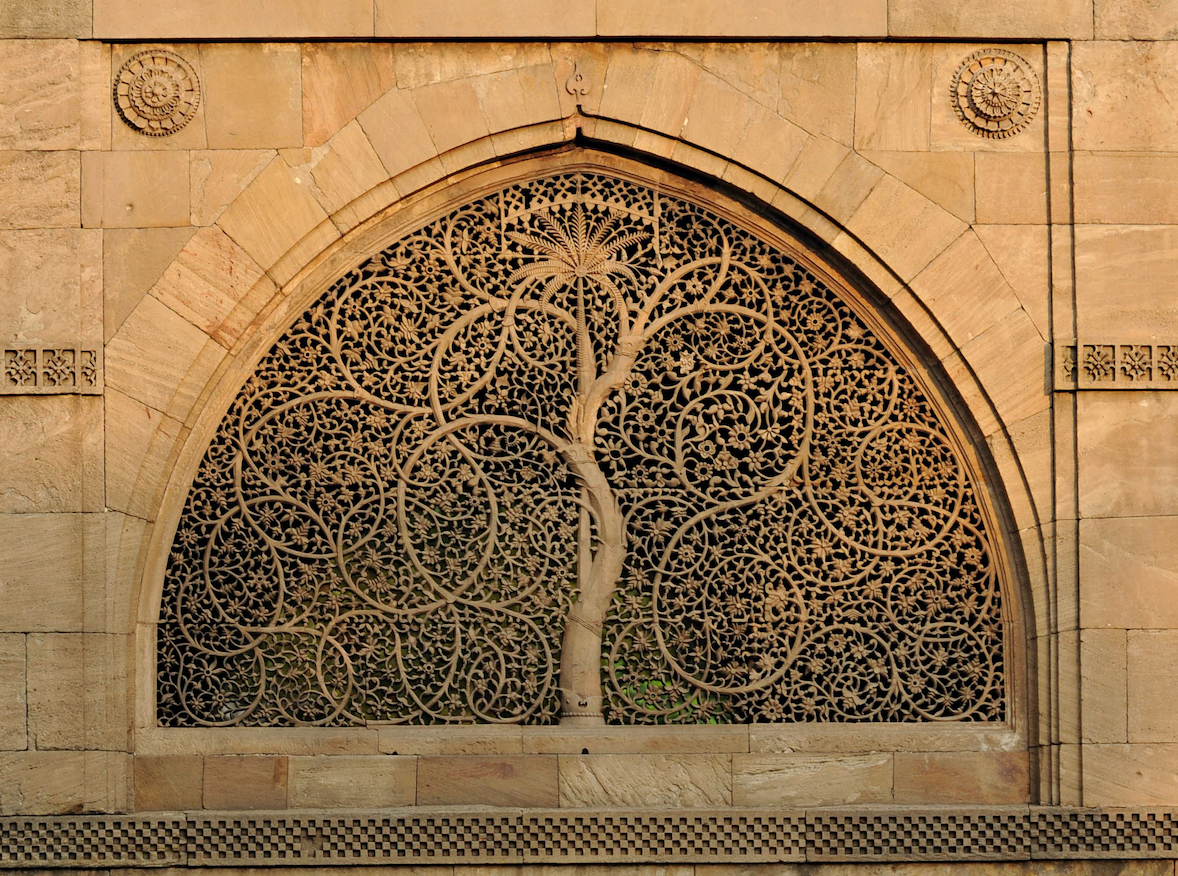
1128	459
133	259
487	781
1136	19
847	187
352	782
1130	775
1021	253
397	132
1153	678
1125	94
254	96
51	453
344	169
41	189
272	214
1112	189
712	739
134	189
44	302
1011	188
976	777
77	691
235	19
245	782
141	440
52	18
168	782
418	64
1130	572
125	137
892	102
799	781
97	108
460	739
1126	280
664	780
39	105
58	782
451	113
47	563
965	291
13	721
742	18
217	177
340	80
516	98
1058	19
946	178
1103	685
1010	363
295	741
469	18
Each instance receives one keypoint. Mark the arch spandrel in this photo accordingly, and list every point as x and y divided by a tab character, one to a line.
527	284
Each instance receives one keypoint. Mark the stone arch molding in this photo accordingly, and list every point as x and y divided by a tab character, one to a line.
551	226
254	263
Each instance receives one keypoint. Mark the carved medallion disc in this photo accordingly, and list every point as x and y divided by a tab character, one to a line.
995	93
156	92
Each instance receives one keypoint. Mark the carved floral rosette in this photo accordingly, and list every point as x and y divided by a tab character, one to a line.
995	93
156	92
581	449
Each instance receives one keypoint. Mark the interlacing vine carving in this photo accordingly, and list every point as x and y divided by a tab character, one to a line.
580	451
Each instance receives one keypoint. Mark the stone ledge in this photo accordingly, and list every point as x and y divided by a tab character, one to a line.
497	835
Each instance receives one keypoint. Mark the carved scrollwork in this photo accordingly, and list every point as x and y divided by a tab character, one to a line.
581	450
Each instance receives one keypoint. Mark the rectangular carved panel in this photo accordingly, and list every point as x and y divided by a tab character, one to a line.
1112	363
50	370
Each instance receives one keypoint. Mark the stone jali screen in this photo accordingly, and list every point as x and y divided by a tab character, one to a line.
579	451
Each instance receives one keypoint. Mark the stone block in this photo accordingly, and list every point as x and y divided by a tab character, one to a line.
816	88
627	83
253	95
233	19
637	780
217	177
815	165
141	443
397	132
97	108
168	782
847	187
469	739
240	741
1056	19
39	105
1128	458
1032	443
1113	189
487	781
965	291
14	734
1011	188
345	169
892	105
203	285
1130	775
51	451
44	564
418	64
1126	280
1136	19
904	228
1103	686
152	353
45	301
719	116
133	259
134	189
1011	362
378	782
710	739
77	691
945	178
972	777
750	18
1153	678
341	80
63	782
1123	95
41	189
273	214
52	18
451	113
769	145
801	781
407	19
1130	572
1021	253
517	98
247	782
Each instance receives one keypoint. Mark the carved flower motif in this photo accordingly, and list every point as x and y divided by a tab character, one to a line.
59	367
156	93
1168	363
20	367
995	93
1135	363
1098	363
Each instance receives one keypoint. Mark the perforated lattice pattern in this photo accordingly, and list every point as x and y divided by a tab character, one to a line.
587	836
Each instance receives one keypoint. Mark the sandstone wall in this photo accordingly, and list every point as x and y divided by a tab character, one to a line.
173	261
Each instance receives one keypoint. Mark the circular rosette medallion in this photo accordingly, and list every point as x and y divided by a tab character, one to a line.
995	93
156	92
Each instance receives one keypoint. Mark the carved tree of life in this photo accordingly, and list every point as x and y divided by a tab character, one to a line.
580	451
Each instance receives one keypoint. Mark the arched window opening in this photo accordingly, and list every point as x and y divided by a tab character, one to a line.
582	450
